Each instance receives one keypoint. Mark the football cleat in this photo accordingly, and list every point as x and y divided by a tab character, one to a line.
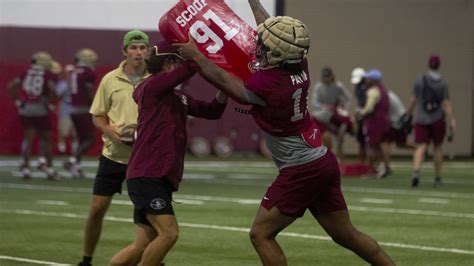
25	172
438	182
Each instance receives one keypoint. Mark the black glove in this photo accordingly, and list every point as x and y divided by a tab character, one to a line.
405	123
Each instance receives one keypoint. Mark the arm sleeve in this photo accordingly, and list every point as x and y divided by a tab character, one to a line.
373	97
201	109
255	91
164	82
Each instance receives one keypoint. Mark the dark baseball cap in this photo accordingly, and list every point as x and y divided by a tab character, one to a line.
434	62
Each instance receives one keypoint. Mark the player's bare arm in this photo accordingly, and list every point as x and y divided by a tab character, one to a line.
227	83
12	88
89	86
52	91
258	11
102	123
411	105
448	110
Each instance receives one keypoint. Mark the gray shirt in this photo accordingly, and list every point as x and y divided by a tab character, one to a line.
440	87
334	94
396	110
292	150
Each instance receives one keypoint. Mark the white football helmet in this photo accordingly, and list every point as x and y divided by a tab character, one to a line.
86	57
282	39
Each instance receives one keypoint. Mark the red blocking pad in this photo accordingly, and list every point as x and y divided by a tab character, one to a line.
354	169
219	33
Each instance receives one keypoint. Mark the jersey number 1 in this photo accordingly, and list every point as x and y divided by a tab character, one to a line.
297	114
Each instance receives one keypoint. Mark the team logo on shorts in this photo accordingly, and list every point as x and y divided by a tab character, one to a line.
157	204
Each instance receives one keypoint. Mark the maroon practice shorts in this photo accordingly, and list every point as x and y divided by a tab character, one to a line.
83	125
397	136
375	135
337	120
315	186
40	123
432	132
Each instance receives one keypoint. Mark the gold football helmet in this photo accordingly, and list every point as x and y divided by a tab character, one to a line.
86	57
286	40
56	68
42	59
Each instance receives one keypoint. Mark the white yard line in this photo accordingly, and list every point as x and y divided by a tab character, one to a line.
412	212
407	192
376	201
53	202
32	261
253	201
433	200
240	229
262	164
344	188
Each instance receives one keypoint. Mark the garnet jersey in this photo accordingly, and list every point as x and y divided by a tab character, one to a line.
379	120
286	96
161	131
290	134
219	33
79	79
34	84
34	91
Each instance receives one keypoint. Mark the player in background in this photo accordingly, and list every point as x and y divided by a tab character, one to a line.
400	127
81	81
155	169
309	176
33	94
65	126
376	118
112	109
330	101
432	116
360	93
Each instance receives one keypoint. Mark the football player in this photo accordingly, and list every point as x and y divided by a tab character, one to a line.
34	92
375	114
155	169
309	176
329	103
400	128
81	87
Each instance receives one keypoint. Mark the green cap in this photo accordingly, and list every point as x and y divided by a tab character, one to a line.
135	36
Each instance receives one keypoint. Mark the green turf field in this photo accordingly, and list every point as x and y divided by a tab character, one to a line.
41	221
